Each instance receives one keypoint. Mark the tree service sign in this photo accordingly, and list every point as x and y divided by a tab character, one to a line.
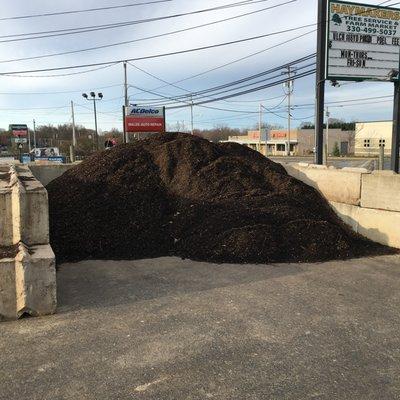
145	119
363	42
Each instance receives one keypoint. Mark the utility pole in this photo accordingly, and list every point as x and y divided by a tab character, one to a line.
34	134
126	103
73	124
289	90
191	114
259	129
29	141
320	81
72	147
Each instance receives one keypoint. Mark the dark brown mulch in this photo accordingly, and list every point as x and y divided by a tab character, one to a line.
8	251
177	194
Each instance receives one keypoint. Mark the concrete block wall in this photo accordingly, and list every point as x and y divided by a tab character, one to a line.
340	185
381	190
6	231
45	173
27	280
368	202
24	205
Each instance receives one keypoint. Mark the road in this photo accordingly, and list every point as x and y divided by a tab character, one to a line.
176	329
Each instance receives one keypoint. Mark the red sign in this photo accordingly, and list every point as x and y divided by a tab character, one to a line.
145	119
254	134
19	133
144	124
278	134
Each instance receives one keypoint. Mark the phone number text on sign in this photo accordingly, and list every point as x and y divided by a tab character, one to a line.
363	41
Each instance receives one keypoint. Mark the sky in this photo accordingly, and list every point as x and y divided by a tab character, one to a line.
37	95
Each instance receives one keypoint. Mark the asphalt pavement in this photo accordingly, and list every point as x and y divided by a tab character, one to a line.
176	329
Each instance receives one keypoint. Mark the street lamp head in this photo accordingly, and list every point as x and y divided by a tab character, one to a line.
100	95
93	94
85	95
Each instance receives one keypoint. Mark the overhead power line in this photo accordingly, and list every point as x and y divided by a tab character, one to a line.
147	37
233	85
298	76
95	28
58	92
53	14
244	40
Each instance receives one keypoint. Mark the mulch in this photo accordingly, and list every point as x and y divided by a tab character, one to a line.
177	194
9	251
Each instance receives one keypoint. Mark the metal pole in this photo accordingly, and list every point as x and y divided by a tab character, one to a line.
125	138
289	101
327	134
381	160
73	125
20	152
191	114
95	125
396	129
320	82
34	134
29	141
259	127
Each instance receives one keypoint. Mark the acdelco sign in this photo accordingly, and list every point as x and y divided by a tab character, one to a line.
146	112
145	119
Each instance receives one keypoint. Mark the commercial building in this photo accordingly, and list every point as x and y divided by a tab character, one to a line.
302	141
370	136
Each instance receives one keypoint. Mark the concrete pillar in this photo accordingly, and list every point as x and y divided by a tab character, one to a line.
27	277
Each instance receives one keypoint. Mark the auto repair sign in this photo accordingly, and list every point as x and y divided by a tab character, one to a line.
145	119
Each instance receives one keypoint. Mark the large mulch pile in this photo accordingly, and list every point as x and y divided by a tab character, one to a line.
180	195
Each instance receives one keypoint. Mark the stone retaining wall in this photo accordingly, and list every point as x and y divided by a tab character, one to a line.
367	201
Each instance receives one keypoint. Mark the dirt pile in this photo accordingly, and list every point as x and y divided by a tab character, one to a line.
181	195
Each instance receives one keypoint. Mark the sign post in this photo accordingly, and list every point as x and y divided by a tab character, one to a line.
362	44
396	128
20	152
320	83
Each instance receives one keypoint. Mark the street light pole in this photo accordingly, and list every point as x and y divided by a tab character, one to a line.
94	99
126	103
95	124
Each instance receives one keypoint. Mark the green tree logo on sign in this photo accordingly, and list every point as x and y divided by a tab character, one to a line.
336	19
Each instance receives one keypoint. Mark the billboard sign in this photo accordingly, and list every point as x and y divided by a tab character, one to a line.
145	119
18	129
363	42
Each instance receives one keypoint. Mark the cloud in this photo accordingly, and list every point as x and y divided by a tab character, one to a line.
168	68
